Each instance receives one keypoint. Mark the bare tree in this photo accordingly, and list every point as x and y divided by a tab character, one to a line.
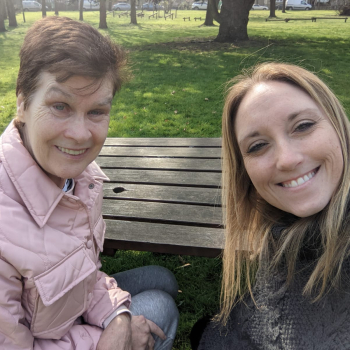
43	9
56	8
81	10
133	19
284	6
2	15
103	15
11	13
272	8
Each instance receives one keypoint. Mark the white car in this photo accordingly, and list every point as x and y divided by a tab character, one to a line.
31	6
259	7
199	5
91	5
298	5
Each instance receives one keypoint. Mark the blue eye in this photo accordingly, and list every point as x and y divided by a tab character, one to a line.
256	147
59	107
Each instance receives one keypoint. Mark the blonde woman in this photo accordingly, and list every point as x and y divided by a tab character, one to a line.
286	263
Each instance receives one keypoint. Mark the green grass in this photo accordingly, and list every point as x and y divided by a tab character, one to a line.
177	91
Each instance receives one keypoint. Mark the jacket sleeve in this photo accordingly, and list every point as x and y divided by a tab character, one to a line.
106	297
14	334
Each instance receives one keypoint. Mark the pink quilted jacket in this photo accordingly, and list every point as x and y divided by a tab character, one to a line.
49	256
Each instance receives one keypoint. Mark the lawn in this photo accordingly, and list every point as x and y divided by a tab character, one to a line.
177	90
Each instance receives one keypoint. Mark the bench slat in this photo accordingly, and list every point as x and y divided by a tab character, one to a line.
174	239
161	152
164	142
160	163
180	178
209	196
162	212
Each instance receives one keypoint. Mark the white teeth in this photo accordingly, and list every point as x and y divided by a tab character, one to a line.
299	181
70	151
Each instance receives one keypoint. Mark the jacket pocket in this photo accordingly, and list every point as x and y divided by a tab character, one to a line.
62	295
99	233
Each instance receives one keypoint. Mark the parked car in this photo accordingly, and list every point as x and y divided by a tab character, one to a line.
259	7
121	6
91	5
298	5
150	6
31	6
199	5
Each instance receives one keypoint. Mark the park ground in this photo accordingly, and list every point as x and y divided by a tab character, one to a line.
177	90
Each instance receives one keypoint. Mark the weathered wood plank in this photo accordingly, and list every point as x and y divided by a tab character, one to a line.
162	213
160	163
164	142
208	196
179	178
174	239
209	153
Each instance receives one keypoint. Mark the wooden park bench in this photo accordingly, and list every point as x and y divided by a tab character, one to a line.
189	18
171	15
154	14
315	18
126	13
163	195
199	18
140	14
297	19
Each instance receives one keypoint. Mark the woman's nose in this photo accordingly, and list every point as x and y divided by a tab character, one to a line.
78	129
288	156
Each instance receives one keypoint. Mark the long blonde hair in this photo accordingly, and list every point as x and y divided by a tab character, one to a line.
249	219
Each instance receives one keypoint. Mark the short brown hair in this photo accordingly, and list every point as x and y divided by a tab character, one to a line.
64	48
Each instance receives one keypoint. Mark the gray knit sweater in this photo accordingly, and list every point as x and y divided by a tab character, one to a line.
284	318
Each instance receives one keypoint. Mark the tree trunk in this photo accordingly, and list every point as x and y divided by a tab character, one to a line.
284	6
56	8
110	5
212	13
103	15
234	18
12	13
272	8
43	9
2	16
133	19
81	5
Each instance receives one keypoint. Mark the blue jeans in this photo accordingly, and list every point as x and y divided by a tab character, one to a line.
153	289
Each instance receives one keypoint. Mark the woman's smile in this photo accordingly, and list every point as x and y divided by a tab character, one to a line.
290	149
300	180
65	130
72	151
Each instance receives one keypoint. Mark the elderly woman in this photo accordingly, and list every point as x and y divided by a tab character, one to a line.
285	187
52	294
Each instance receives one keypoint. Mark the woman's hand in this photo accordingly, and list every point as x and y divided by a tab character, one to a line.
142	330
117	335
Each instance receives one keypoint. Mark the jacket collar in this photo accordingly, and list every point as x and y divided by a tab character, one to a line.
39	194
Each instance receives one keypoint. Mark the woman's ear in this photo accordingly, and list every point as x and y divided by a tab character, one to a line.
20	108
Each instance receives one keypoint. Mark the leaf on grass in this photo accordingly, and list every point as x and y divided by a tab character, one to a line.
124	117
173	92
206	99
179	291
179	267
175	112
214	112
